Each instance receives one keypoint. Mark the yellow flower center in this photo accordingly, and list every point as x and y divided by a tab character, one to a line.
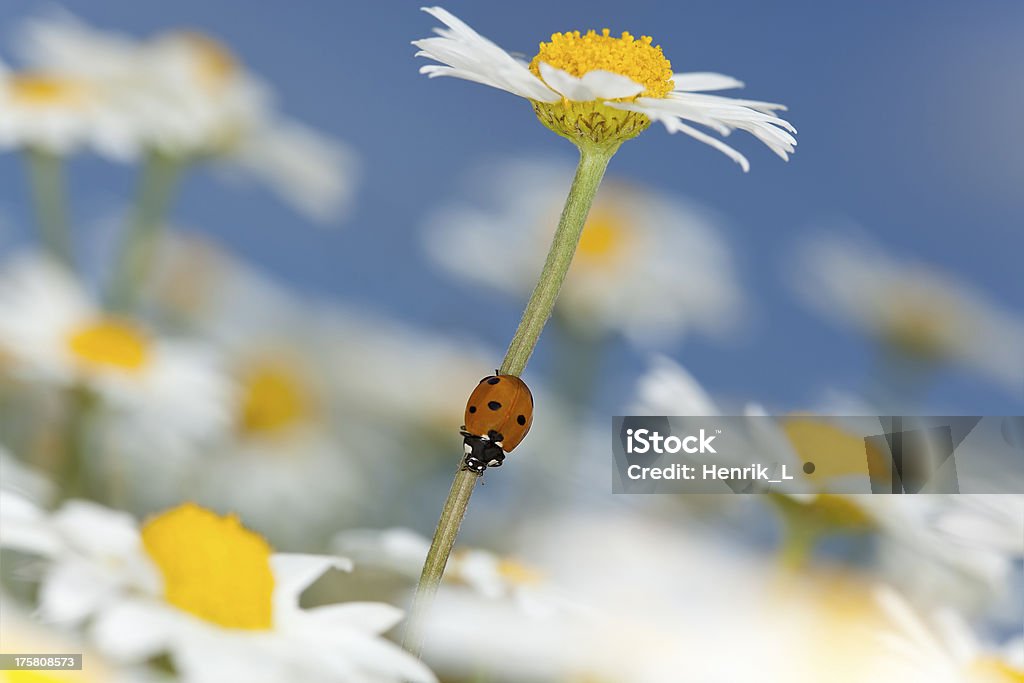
579	54
215	64
212	566
45	90
993	670
603	238
921	327
518	574
110	343
274	397
28	676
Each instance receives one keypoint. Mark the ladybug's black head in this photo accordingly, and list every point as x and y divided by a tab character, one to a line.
481	453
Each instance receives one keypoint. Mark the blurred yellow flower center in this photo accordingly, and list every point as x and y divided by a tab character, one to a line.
517	573
212	566
110	343
579	54
594	123
602	239
992	670
834	451
274	397
920	328
27	676
215	63
40	90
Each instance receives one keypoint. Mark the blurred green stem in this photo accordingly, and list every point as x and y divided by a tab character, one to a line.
81	408
46	173
138	250
589	172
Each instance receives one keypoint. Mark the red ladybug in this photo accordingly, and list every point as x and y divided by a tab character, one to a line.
499	413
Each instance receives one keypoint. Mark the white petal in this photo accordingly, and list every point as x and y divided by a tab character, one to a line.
472	57
134	631
24	526
705	80
72	591
374	655
593	85
293	573
313	172
372	617
609	85
97	530
565	84
726	102
674	124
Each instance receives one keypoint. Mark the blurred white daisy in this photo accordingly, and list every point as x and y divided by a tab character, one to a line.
213	596
371	373
281	447
492	576
23	494
911	308
59	113
664	606
595	88
19	632
56	334
650	266
940	549
23	479
186	96
942	649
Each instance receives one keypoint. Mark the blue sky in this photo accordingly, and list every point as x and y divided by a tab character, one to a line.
909	120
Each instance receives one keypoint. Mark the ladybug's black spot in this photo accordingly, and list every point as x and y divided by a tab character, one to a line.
472	409
493	380
493	405
521	419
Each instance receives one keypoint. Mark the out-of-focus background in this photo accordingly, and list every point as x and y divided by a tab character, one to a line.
907	127
292	257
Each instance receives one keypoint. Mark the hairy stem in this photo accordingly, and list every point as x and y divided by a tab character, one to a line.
592	165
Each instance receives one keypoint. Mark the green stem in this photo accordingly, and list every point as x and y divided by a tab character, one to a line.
46	173
592	165
159	179
81	405
593	162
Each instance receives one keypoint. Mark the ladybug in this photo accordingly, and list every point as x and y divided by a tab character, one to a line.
499	413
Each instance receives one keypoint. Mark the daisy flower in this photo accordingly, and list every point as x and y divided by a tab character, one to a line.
963	549
281	445
185	95
19	632
487	574
596	89
23	479
911	308
664	605
59	114
55	334
942	649
649	266
213	596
